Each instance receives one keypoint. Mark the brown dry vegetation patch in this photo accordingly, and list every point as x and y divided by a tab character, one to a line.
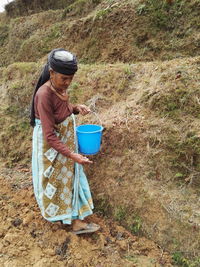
16	83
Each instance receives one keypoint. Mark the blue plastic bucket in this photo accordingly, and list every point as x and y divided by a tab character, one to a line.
89	138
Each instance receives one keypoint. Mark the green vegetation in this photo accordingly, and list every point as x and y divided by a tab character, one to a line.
176	102
166	16
184	155
80	7
4	31
120	214
131	258
126	217
163	15
21	77
180	260
102	13
103	206
18	132
180	97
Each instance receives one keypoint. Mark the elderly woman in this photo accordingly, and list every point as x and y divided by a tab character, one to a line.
60	185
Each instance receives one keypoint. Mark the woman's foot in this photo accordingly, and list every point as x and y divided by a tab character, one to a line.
80	227
78	224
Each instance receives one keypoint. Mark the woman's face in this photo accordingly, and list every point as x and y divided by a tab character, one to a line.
60	81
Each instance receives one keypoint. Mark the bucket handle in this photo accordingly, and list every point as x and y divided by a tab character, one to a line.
96	115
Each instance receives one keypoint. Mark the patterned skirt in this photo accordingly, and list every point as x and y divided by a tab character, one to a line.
60	185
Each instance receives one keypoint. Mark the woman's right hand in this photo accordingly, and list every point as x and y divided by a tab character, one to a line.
80	158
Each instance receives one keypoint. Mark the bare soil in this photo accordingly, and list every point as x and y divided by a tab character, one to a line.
28	240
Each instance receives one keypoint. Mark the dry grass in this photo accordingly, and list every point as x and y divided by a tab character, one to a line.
87	32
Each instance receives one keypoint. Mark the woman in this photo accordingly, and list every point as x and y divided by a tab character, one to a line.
60	185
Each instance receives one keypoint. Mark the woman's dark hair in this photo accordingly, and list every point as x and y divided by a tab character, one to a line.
60	61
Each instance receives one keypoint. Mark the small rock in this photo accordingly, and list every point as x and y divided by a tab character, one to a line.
50	252
78	256
33	234
10	237
26	210
42	263
102	241
22	248
58	251
119	236
3	231
120	229
28	218
136	252
55	227
1	246
16	222
122	244
108	240
70	263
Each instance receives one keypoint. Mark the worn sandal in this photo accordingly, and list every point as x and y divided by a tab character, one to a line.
90	228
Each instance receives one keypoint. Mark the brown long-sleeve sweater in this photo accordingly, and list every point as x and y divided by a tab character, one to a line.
51	110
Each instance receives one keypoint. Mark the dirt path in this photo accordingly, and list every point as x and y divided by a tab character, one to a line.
28	240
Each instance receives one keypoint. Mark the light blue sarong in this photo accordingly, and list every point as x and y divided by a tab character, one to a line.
60	185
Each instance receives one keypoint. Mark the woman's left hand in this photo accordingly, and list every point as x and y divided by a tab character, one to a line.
83	110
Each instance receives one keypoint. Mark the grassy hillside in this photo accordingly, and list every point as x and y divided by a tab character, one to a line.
140	71
114	31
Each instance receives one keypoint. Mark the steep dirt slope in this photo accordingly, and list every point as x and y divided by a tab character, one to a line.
27	240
